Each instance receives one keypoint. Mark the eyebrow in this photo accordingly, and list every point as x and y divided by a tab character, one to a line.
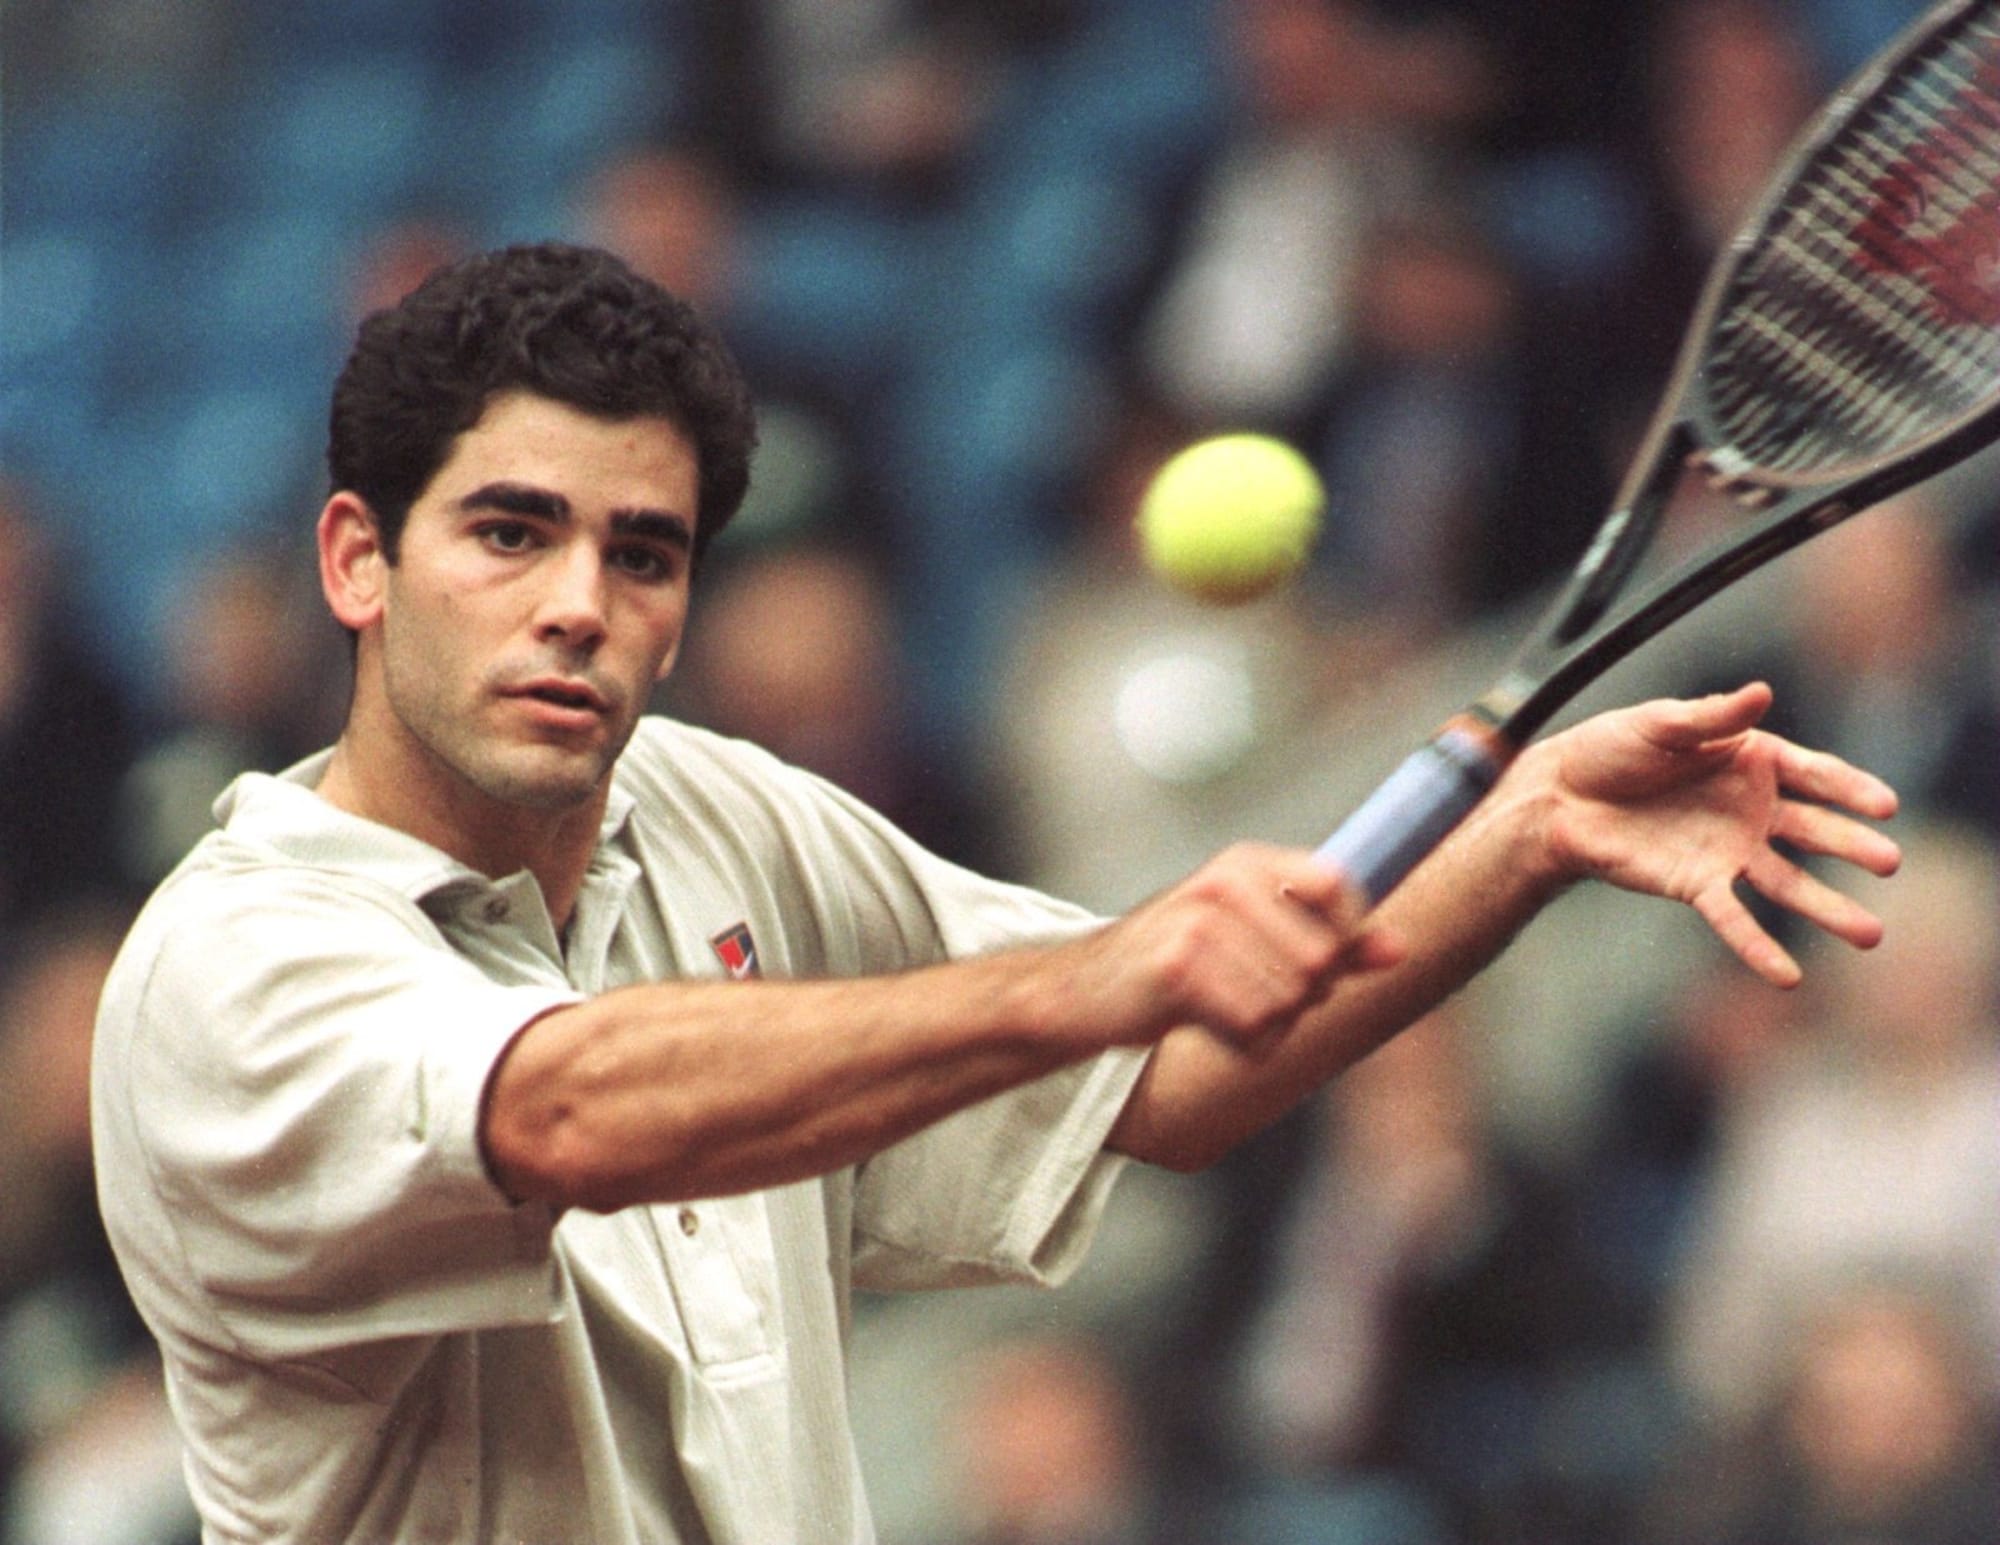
662	526
654	526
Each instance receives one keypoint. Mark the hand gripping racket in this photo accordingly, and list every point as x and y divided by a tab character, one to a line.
1846	347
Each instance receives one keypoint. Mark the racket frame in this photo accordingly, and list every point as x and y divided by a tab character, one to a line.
1580	637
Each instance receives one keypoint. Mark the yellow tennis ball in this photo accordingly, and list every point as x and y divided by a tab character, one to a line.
1232	517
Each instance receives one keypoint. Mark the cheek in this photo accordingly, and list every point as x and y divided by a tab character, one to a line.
426	642
662	630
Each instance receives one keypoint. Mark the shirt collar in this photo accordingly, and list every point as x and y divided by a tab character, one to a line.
283	811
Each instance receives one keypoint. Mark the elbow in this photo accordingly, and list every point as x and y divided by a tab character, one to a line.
547	1133
545	1153
1185	1148
1191	1154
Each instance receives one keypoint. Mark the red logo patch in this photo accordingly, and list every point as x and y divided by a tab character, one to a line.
737	951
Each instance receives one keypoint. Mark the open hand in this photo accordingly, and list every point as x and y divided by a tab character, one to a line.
1683	799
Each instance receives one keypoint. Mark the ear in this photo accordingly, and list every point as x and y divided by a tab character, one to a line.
353	568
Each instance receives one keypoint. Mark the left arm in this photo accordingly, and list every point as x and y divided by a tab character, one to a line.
1674	799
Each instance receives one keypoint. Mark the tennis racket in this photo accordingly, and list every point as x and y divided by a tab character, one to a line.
1846	347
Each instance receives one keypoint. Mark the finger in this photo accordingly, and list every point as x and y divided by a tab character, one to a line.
1723	910
1684	724
1327	893
1816	829
1825	777
1222	974
1260	995
1780	880
1374	949
1321	897
1257	950
1312	881
1266	990
1276	929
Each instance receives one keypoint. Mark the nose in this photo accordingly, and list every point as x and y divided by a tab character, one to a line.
571	611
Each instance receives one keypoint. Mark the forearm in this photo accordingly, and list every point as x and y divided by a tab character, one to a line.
669	1092
1678	799
1201	1094
658	1093
679	1090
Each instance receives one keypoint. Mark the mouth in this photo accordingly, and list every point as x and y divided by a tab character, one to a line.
565	697
575	697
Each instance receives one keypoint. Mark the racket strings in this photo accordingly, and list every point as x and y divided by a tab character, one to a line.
1961	170
1869	314
1870	358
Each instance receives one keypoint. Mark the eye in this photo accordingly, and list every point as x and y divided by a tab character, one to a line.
507	536
643	562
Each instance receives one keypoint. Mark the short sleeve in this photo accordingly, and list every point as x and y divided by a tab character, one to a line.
1009	1190
301	1079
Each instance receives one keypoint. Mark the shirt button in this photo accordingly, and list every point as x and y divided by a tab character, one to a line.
690	1222
495	910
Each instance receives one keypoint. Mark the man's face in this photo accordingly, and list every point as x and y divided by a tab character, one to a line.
539	593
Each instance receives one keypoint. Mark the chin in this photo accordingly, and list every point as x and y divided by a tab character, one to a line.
553	782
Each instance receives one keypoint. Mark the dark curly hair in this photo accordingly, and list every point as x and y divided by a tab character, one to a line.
565	322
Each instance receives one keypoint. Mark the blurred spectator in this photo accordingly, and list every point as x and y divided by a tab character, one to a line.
1735	80
247	691
680	216
1730	83
806	288
1642	1171
1339	114
1422	437
392	261
671	212
1883	1436
1877	645
1967	788
882	97
120	45
66	736
48	1002
1569	76
87	1451
1430	1288
1613	235
1048	1449
795	648
962	196
1874	1146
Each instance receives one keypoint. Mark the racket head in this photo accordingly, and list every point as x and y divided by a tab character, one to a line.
1846	347
1849	336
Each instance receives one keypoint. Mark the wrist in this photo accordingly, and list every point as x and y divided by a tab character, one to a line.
1046	1000
1527	807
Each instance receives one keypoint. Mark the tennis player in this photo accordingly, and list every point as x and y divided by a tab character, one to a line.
494	1115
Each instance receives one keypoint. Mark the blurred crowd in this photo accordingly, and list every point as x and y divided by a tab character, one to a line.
1619	1248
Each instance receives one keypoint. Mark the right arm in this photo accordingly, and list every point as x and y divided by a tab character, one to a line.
671	1091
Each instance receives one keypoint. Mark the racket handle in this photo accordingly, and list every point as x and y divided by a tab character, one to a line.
1416	807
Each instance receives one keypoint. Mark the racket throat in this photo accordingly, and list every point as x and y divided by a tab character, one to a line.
1622	540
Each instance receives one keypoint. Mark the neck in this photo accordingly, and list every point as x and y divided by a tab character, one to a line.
414	793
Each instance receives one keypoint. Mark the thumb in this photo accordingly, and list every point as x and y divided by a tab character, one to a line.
1690	723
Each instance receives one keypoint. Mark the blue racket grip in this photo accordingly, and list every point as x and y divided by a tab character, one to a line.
1414	809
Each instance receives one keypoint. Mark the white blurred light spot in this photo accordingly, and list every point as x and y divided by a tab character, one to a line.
1188	716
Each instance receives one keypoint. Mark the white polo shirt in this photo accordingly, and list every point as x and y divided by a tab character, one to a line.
365	1339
